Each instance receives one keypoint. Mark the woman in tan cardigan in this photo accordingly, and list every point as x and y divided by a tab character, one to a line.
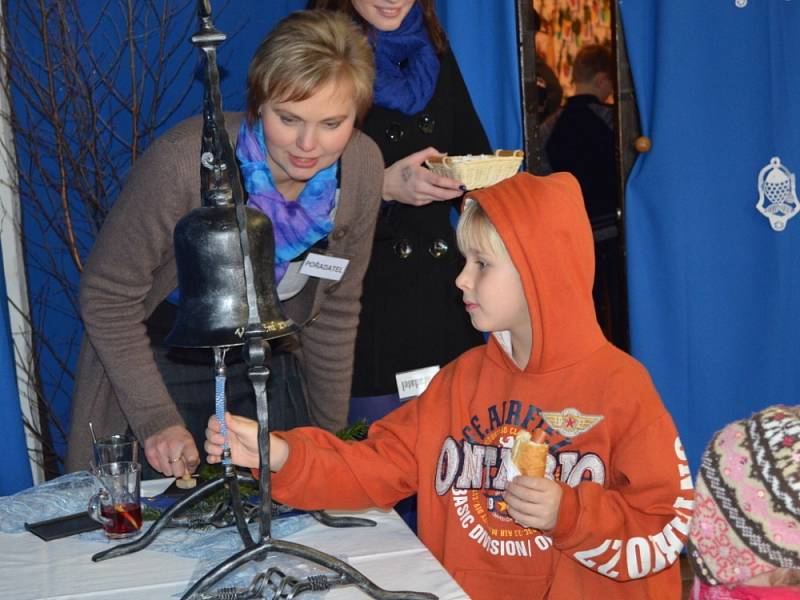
299	152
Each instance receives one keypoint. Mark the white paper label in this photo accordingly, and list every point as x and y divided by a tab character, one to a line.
413	383
324	267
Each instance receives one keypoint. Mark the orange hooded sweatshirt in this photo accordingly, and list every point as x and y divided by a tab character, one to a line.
627	491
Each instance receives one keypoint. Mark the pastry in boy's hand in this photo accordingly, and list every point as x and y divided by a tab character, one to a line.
529	453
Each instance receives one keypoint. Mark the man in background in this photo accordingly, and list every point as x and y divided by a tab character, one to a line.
579	138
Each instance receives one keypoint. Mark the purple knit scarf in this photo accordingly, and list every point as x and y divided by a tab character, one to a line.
298	224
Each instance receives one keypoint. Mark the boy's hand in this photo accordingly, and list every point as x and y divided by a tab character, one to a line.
533	502
243	441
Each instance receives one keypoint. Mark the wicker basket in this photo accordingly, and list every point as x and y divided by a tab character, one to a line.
479	170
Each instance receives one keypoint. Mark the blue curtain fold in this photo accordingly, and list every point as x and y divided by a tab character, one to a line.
483	36
15	475
713	288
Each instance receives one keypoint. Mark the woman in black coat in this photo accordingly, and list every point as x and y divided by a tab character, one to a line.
412	314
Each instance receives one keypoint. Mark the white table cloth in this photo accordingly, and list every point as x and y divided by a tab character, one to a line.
389	554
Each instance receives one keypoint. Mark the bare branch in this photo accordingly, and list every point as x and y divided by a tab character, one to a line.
89	89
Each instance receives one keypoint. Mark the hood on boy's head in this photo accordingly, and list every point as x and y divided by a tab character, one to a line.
543	224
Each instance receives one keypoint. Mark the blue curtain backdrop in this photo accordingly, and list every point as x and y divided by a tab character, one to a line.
15	473
245	22
714	290
484	40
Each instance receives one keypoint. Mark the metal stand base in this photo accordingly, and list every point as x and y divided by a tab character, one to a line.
345	574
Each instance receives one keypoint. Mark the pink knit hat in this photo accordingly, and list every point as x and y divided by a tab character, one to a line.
747	500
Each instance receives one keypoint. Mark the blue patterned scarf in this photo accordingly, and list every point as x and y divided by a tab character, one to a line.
298	224
407	67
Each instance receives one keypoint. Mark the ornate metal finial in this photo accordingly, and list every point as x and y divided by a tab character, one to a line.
219	176
219	173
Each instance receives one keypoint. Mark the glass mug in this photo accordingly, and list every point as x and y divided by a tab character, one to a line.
115	448
116	506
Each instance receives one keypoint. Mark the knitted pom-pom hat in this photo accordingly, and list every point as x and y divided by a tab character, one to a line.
747	499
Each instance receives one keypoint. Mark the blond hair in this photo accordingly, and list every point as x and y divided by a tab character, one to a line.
476	232
306	50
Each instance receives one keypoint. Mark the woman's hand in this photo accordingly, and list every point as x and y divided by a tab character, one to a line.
243	442
534	502
408	182
172	451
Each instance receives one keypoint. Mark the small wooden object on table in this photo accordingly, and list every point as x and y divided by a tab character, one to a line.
186	482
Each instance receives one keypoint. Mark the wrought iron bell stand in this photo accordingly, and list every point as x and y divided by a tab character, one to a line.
223	204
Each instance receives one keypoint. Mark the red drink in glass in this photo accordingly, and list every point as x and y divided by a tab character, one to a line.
116	506
126	519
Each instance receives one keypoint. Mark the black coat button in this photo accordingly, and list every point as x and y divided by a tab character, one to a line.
403	248
426	123
438	248
395	132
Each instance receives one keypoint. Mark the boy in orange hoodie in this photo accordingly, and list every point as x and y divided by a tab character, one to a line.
611	515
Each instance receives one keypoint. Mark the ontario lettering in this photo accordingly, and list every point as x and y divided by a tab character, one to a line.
472	466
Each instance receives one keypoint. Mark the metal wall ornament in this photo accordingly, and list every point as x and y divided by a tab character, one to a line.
777	194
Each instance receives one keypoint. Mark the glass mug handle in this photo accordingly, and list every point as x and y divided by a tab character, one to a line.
95	508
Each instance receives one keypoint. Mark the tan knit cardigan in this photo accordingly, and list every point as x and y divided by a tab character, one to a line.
131	269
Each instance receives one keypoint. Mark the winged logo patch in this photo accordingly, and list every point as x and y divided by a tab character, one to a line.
571	422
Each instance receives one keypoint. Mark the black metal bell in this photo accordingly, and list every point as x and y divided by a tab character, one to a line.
213	308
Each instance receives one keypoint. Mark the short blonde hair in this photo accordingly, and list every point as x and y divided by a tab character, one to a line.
306	50
475	231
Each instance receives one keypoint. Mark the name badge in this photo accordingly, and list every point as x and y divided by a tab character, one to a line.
324	266
413	383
